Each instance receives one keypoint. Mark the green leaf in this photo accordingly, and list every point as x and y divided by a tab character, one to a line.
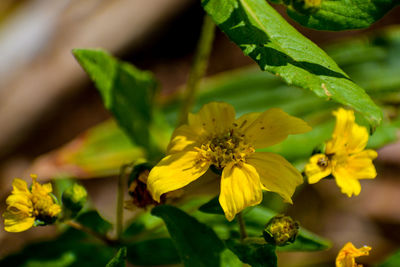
126	91
392	261
119	259
160	251
336	15
197	244
257	255
277	47
212	207
229	259
94	221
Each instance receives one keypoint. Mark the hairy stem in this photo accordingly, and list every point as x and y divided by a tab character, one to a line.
198	68
122	181
89	231
242	226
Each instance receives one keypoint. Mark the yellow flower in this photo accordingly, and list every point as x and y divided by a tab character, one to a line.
345	157
26	207
346	256
214	138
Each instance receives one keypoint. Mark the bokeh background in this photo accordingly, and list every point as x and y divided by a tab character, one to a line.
46	100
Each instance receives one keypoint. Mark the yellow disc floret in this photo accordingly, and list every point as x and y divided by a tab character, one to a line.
222	149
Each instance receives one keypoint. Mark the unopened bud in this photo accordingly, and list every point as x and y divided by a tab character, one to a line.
281	230
74	198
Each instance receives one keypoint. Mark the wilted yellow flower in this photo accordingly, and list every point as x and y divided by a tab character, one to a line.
345	157
346	256
26	207
213	137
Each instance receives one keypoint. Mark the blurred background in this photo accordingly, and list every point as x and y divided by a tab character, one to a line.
46	100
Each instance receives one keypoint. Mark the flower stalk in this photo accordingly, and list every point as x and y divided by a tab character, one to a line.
122	181
242	227
199	66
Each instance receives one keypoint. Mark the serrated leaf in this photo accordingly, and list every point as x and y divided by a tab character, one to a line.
94	221
126	91
336	15
256	255
153	252
277	47
119	260
197	244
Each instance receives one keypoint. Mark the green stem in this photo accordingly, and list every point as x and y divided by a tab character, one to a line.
120	198
242	226
198	68
89	231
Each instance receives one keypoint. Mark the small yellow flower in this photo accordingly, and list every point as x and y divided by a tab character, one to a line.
345	157
25	207
213	137
346	256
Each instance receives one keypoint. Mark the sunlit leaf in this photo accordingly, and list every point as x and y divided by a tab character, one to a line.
277	47
126	91
336	15
97	152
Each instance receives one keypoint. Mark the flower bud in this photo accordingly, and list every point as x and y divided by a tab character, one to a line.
281	230
74	198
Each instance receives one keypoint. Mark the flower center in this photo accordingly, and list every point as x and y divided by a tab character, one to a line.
225	148
43	206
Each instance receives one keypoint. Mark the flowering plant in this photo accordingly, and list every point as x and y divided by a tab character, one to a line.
212	171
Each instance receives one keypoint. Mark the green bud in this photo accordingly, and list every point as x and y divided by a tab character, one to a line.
74	198
281	230
306	7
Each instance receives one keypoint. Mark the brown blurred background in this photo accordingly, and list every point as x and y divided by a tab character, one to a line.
46	99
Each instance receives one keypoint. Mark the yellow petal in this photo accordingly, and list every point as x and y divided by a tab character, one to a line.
240	188
19	186
347	183
174	172
315	170
47	188
272	127
16	222
346	256
360	165
214	117
276	173
244	121
347	135
19	203
184	138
